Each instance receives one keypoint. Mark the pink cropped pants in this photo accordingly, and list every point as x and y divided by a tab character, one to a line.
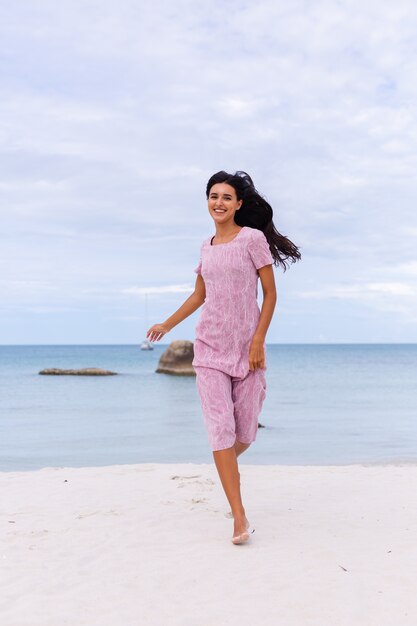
230	405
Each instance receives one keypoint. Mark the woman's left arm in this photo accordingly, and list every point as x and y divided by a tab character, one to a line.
256	350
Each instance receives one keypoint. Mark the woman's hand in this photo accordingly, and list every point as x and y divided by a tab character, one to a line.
156	332
256	354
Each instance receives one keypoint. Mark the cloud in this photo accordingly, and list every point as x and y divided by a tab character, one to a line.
164	289
24	287
408	268
394	289
111	125
367	291
238	106
47	310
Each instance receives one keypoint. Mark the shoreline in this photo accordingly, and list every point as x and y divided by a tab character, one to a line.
389	463
150	543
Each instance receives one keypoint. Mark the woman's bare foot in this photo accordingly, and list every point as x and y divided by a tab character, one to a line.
240	529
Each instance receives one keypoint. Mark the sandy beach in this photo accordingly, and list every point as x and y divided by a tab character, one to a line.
150	544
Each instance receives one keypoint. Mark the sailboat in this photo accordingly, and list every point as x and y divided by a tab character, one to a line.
146	344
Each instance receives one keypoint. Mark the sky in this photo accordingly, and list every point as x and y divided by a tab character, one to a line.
113	116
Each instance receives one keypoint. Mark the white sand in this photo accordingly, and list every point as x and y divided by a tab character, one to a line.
132	545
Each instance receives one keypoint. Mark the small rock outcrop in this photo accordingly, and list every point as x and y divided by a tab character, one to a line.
86	371
177	359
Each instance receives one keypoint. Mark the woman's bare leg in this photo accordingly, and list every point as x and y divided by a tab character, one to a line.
239	448
227	467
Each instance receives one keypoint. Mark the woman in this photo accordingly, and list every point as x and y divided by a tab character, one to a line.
229	349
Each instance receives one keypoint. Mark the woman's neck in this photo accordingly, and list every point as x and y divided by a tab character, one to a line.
226	231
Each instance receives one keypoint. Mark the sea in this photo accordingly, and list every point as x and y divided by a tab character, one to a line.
326	404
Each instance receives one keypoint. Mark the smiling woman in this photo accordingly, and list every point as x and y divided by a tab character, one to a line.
236	196
229	349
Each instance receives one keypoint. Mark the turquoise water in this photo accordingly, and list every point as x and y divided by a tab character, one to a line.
326	404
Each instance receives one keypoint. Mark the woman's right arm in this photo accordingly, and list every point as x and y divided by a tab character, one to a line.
157	331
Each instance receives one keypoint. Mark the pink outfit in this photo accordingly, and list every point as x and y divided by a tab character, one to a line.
231	394
230	405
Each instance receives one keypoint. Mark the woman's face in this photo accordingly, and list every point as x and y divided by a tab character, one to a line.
223	203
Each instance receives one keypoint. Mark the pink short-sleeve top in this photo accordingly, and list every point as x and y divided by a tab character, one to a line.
230	312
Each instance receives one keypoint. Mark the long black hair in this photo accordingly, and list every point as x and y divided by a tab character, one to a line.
256	212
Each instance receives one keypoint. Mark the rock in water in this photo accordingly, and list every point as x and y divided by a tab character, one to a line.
177	359
86	371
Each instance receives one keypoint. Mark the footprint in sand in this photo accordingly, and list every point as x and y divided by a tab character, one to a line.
189	479
111	512
185	477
